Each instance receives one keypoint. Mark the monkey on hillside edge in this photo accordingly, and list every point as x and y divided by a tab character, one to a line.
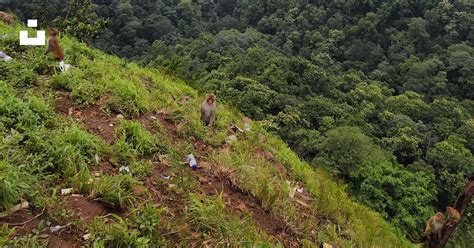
453	214
208	110
7	18
53	45
434	225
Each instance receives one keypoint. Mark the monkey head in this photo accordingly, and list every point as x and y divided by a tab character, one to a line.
53	31
210	98
439	217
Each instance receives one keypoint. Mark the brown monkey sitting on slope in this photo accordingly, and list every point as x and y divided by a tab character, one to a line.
208	110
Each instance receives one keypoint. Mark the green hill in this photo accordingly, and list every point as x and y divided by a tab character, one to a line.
119	136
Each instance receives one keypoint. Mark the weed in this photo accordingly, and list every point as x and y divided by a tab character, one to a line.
116	191
207	215
116	233
13	184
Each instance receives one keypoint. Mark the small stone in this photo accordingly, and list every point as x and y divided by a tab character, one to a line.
119	116
153	117
111	125
86	236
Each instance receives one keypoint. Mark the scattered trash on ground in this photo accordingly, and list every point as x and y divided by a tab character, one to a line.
153	117
86	236
64	67
4	36
66	191
192	161
55	228
5	57
120	116
124	169
234	128
111	125
166	177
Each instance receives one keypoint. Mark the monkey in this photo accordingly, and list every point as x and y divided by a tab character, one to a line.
208	110
53	45
434	225
453	214
7	18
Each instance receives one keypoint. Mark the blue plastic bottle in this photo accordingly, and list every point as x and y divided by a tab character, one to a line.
192	161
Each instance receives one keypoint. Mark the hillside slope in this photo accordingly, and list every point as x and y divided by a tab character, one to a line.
119	135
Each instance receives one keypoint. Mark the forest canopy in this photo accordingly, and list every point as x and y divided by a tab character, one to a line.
380	93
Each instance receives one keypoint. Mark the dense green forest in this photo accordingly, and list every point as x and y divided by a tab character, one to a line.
380	93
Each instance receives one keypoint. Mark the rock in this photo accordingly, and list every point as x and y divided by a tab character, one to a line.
86	236
119	116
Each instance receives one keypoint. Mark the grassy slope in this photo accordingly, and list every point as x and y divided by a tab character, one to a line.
42	151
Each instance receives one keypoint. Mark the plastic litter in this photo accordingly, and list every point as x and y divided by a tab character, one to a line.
64	67
153	117
3	36
5	57
86	236
192	161
166	177
120	116
124	169
55	228
66	191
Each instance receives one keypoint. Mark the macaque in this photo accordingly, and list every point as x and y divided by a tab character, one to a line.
7	18
208	110
434	225
453	214
53	45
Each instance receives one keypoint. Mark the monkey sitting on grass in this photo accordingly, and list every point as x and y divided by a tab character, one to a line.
208	110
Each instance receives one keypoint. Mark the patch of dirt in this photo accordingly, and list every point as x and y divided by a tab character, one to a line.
63	240
94	118
241	202
22	216
84	207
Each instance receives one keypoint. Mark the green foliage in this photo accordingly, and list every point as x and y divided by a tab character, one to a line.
116	233
208	215
14	183
116	191
81	20
348	148
402	196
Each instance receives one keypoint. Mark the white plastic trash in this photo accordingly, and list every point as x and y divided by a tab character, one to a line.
5	57
64	67
192	161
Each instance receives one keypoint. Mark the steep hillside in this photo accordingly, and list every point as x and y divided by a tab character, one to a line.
119	136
